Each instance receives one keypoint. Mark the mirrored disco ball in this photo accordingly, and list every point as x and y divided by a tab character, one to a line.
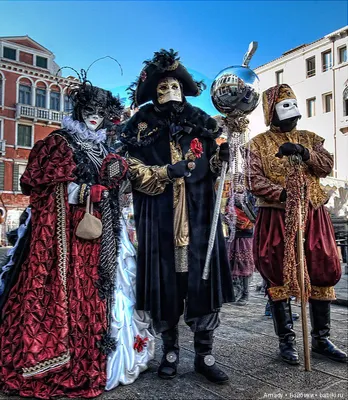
235	88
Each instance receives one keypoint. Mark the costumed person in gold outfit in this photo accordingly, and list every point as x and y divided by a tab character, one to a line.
268	170
174	161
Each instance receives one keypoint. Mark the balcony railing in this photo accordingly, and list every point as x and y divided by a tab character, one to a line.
36	113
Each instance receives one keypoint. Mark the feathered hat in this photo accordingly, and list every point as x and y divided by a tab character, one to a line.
164	64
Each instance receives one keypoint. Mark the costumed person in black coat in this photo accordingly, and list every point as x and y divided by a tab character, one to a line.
174	161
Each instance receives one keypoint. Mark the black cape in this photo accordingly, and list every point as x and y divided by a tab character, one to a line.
156	276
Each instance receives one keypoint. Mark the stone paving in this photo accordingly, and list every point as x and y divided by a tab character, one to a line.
246	348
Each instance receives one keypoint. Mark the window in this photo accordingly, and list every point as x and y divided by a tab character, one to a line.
24	94
310	66
1	83
326	60
279	77
345	102
40	98
41	62
342	54
18	171
327	102
311	107
55	101
9	53
2	175
24	135
68	107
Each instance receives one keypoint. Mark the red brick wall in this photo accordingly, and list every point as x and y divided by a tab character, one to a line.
26	57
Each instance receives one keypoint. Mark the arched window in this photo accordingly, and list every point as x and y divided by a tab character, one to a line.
40	94
55	98
345	102
24	91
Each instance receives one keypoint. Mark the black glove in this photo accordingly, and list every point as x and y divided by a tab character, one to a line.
178	170
224	152
289	149
283	196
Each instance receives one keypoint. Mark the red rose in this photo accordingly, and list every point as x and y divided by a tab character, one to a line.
196	148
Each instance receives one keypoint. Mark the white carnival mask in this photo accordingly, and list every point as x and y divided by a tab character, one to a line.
92	118
168	89
287	109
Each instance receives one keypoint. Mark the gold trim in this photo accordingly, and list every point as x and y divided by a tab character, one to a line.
62	265
279	293
46	365
323	293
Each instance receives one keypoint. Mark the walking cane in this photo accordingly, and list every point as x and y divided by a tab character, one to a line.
296	161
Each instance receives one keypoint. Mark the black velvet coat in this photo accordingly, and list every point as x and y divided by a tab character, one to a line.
154	217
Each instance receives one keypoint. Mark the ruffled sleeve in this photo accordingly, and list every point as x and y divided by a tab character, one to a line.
50	162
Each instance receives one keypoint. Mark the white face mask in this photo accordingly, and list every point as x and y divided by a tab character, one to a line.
92	120
287	109
168	89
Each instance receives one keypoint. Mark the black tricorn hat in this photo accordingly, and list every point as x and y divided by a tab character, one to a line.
164	64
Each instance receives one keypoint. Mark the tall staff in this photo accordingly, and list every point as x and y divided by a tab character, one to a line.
296	160
235	93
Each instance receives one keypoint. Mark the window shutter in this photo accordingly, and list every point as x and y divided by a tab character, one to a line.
2	175
15	177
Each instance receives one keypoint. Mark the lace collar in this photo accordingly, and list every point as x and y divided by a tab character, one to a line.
80	130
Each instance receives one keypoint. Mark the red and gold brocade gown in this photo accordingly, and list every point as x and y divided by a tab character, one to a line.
54	316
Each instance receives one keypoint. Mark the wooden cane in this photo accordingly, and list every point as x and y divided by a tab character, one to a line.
300	257
300	254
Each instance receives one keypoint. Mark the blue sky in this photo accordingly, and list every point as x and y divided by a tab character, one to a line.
209	35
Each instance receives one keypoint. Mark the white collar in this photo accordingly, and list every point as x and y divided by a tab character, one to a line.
80	130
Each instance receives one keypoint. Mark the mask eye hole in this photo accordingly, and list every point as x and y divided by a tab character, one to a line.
286	105
163	87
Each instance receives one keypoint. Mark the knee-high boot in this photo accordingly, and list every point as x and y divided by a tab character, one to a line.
204	361
170	359
283	326
320	318
244	298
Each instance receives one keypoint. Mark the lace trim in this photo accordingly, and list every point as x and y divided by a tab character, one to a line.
62	264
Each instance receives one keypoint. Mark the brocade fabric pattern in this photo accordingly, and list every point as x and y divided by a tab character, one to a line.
41	323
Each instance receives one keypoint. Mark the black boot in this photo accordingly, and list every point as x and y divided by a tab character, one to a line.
204	361
283	326
170	359
320	318
244	298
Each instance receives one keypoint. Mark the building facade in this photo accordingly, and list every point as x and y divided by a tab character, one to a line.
33	100
318	73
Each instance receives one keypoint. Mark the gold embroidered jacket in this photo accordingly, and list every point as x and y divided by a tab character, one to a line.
268	173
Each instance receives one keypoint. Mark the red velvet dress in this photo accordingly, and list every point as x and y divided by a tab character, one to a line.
54	316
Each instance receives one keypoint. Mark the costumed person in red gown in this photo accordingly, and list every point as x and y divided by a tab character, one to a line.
240	250
268	170
174	161
58	324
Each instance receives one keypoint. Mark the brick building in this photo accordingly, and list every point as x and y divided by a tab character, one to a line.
33	100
